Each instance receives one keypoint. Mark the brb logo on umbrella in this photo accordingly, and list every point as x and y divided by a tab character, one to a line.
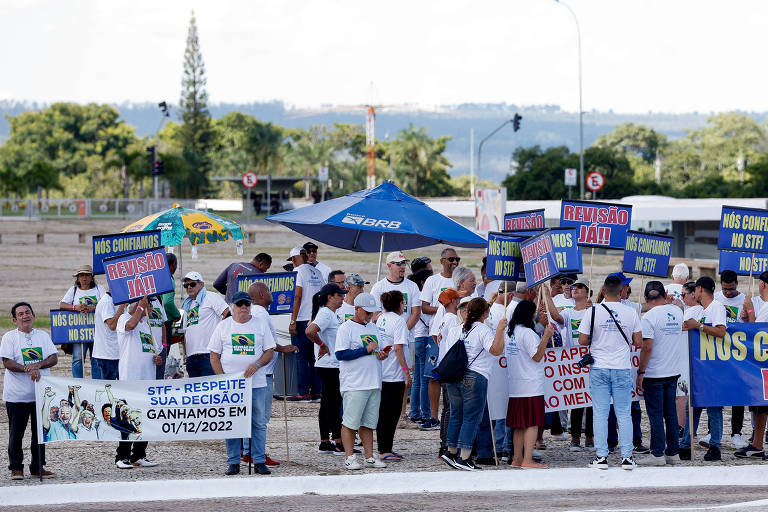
353	218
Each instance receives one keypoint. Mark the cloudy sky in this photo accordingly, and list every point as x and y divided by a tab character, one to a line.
659	55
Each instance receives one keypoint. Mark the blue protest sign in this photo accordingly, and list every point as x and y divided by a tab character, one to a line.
738	363
71	326
598	224
647	254
539	258
529	219
740	262
105	246
282	286
743	229
567	251
138	274
504	260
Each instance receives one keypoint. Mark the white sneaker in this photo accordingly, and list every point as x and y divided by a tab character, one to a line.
672	460
565	436
652	460
374	462
123	464
737	443
351	463
145	463
704	441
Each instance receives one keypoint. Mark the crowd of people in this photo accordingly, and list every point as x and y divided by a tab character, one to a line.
364	355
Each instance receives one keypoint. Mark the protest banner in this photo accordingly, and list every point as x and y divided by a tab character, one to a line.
539	259
647	254
528	219
105	246
566	386
736	363
137	274
567	251
598	224
743	229
282	286
71	326
504	260
213	407
740	262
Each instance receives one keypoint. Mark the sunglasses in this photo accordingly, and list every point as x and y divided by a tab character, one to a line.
578	286
189	285
242	303
399	263
453	259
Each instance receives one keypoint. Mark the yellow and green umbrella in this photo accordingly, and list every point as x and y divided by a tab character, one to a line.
197	226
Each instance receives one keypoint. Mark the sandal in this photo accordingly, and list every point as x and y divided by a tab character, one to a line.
397	455
391	458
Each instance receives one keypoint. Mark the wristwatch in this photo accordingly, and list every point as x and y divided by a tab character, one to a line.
292	322
701	327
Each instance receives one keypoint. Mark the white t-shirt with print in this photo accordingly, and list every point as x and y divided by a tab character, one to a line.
157	318
570	327
24	348
242	344
260	313
434	284
732	306
105	339
478	342
437	321
364	372
450	320
609	348
715	314
392	331
137	349
525	376
664	325
324	271
757	303
328	322
407	287
311	280
345	312
202	319
674	289
561	302
90	296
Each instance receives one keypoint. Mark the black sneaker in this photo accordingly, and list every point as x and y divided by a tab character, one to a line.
326	447
713	454
450	459
466	464
749	452
233	469
685	454
628	464
641	450
599	463
486	461
262	469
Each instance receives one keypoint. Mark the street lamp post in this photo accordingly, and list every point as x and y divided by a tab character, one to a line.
156	178
581	110
480	146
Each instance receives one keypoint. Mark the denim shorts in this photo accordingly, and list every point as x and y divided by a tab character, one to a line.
361	408
430	360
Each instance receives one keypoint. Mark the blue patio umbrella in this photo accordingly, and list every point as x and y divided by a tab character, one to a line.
380	219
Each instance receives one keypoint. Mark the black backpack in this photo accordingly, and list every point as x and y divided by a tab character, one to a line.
455	363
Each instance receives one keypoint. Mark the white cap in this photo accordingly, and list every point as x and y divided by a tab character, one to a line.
465	300
367	302
396	257
296	251
194	276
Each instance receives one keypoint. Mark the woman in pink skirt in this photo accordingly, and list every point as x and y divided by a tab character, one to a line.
525	351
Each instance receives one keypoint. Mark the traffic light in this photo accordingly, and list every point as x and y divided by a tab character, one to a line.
516	121
151	155
158	168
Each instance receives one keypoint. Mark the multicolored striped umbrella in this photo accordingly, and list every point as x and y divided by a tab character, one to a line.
199	227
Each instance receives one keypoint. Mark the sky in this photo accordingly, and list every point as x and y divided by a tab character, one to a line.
638	56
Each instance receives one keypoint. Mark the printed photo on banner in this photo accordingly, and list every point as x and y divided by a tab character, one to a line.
647	254
740	262
138	274
282	286
214	407
504	260
528	219
69	326
738	363
598	224
106	246
539	258
567	251
743	229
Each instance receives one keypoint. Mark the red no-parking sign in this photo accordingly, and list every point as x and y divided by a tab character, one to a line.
595	181
249	179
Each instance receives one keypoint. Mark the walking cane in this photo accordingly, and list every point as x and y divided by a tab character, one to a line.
285	413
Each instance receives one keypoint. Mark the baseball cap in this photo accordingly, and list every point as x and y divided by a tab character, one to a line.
330	289
654	290
355	280
83	269
367	302
568	276
707	283
583	282
465	300
447	295
240	296
194	276
396	257
309	245
296	251
624	279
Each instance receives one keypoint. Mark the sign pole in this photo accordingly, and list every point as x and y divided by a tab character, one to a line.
493	437
591	264
751	266
285	412
641	291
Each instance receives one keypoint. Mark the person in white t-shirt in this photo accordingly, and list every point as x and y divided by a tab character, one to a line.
487	287
658	372
204	311
395	374
357	350
395	280
713	314
311	249
680	275
691	309
355	285
244	343
106	353
616	328
322	332
309	281
27	354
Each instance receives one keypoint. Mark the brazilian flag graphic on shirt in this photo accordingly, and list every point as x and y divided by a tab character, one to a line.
193	316
32	355
732	313
90	300
155	317
243	345
575	328
368	338
146	342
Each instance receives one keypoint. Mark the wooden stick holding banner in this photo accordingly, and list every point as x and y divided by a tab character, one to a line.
493	437
751	267
690	402
285	412
591	265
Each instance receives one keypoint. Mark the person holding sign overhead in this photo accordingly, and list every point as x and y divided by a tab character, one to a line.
204	312
82	297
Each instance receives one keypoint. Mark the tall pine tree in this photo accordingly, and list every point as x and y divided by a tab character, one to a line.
196	134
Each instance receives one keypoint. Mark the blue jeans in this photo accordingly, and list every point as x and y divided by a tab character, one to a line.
199	365
104	369
468	399
267	412
484	440
637	433
661	408
715	415
79	350
258	439
604	384
502	434
308	381
420	387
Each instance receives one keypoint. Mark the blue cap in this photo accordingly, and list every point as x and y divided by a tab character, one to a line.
238	296
624	279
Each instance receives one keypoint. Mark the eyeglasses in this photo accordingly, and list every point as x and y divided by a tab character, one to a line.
566	283
242	303
399	263
189	285
453	259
